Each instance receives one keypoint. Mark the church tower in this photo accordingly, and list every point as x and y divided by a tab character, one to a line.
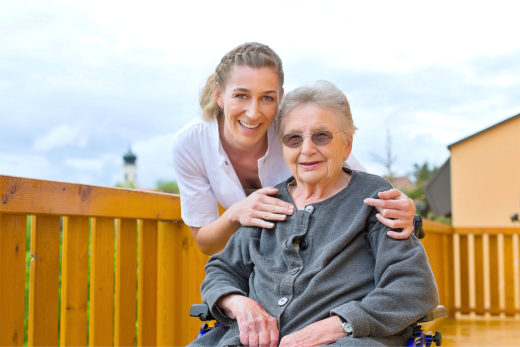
129	170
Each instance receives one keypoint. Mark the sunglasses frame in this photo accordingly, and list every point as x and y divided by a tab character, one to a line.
311	135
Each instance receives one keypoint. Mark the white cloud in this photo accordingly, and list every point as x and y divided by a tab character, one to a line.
60	136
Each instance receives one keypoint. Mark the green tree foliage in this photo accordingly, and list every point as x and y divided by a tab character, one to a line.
167	187
421	175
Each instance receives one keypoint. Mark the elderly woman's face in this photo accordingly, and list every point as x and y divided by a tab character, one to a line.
311	163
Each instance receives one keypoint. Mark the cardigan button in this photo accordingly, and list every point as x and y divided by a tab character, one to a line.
282	301
303	244
295	270
309	208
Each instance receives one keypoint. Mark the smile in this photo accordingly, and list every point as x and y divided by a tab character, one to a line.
310	165
249	126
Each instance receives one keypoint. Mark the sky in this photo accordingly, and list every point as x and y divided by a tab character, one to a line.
81	81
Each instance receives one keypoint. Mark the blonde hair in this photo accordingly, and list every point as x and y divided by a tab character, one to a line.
321	93
252	54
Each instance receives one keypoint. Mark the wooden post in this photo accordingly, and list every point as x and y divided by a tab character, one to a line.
74	282
12	278
44	282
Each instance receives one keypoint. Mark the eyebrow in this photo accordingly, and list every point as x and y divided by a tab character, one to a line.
239	89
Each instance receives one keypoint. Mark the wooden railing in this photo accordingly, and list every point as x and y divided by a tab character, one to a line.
134	286
130	269
477	270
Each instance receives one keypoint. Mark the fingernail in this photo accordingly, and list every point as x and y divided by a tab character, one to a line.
378	215
365	201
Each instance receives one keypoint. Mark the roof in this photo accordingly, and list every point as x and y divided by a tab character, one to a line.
482	131
129	157
438	190
402	182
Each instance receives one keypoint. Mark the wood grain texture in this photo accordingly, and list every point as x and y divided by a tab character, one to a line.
74	282
147	286
56	198
479	275
493	278
169	289
509	280
101	329
44	281
126	282
464	274
12	278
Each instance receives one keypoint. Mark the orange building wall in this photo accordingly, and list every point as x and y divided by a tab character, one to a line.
485	178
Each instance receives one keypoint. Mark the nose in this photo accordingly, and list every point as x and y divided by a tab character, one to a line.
308	147
253	111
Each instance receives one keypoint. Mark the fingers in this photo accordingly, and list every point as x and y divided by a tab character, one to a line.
401	209
267	191
405	225
389	194
258	330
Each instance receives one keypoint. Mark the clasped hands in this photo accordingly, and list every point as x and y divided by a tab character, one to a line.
258	328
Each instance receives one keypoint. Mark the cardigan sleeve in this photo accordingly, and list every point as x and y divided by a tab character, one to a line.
405	288
227	273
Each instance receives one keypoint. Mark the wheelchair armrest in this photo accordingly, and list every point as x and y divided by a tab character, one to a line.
438	313
202	311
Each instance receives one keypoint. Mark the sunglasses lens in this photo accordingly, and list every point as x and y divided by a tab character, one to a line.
322	138
292	140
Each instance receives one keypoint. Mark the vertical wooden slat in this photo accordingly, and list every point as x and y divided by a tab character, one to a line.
12	278
493	279
448	292
516	272
147	297
509	280
44	282
126	282
479	276
464	275
456	268
102	283
501	275
487	274
471	274
74	282
169	298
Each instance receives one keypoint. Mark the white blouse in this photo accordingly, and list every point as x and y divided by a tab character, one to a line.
206	176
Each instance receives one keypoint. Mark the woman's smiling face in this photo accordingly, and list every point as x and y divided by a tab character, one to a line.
250	102
310	163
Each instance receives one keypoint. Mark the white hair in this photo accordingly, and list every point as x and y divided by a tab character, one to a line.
323	94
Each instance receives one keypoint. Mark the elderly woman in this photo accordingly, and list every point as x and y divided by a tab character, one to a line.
328	274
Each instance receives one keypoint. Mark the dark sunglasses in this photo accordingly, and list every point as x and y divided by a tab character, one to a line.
320	138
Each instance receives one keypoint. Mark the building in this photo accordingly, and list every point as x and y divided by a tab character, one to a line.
129	170
484	178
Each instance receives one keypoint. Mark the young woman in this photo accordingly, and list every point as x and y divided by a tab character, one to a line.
232	156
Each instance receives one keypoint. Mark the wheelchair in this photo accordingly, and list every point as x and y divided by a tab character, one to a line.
418	339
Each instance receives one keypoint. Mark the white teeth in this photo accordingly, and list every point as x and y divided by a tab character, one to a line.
249	126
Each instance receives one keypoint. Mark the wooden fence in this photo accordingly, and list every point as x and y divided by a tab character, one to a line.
130	268
145	270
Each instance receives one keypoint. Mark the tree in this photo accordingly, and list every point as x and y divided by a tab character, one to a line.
421	175
170	187
389	159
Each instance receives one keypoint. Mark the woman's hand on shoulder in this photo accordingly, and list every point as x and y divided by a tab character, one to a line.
258	208
257	327
396	210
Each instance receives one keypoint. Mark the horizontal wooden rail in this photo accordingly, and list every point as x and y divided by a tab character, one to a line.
489	231
30	196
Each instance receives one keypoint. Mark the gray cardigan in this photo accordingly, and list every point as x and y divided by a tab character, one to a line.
349	268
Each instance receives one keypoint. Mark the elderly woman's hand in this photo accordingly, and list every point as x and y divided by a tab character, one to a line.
257	327
321	333
396	205
258	208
